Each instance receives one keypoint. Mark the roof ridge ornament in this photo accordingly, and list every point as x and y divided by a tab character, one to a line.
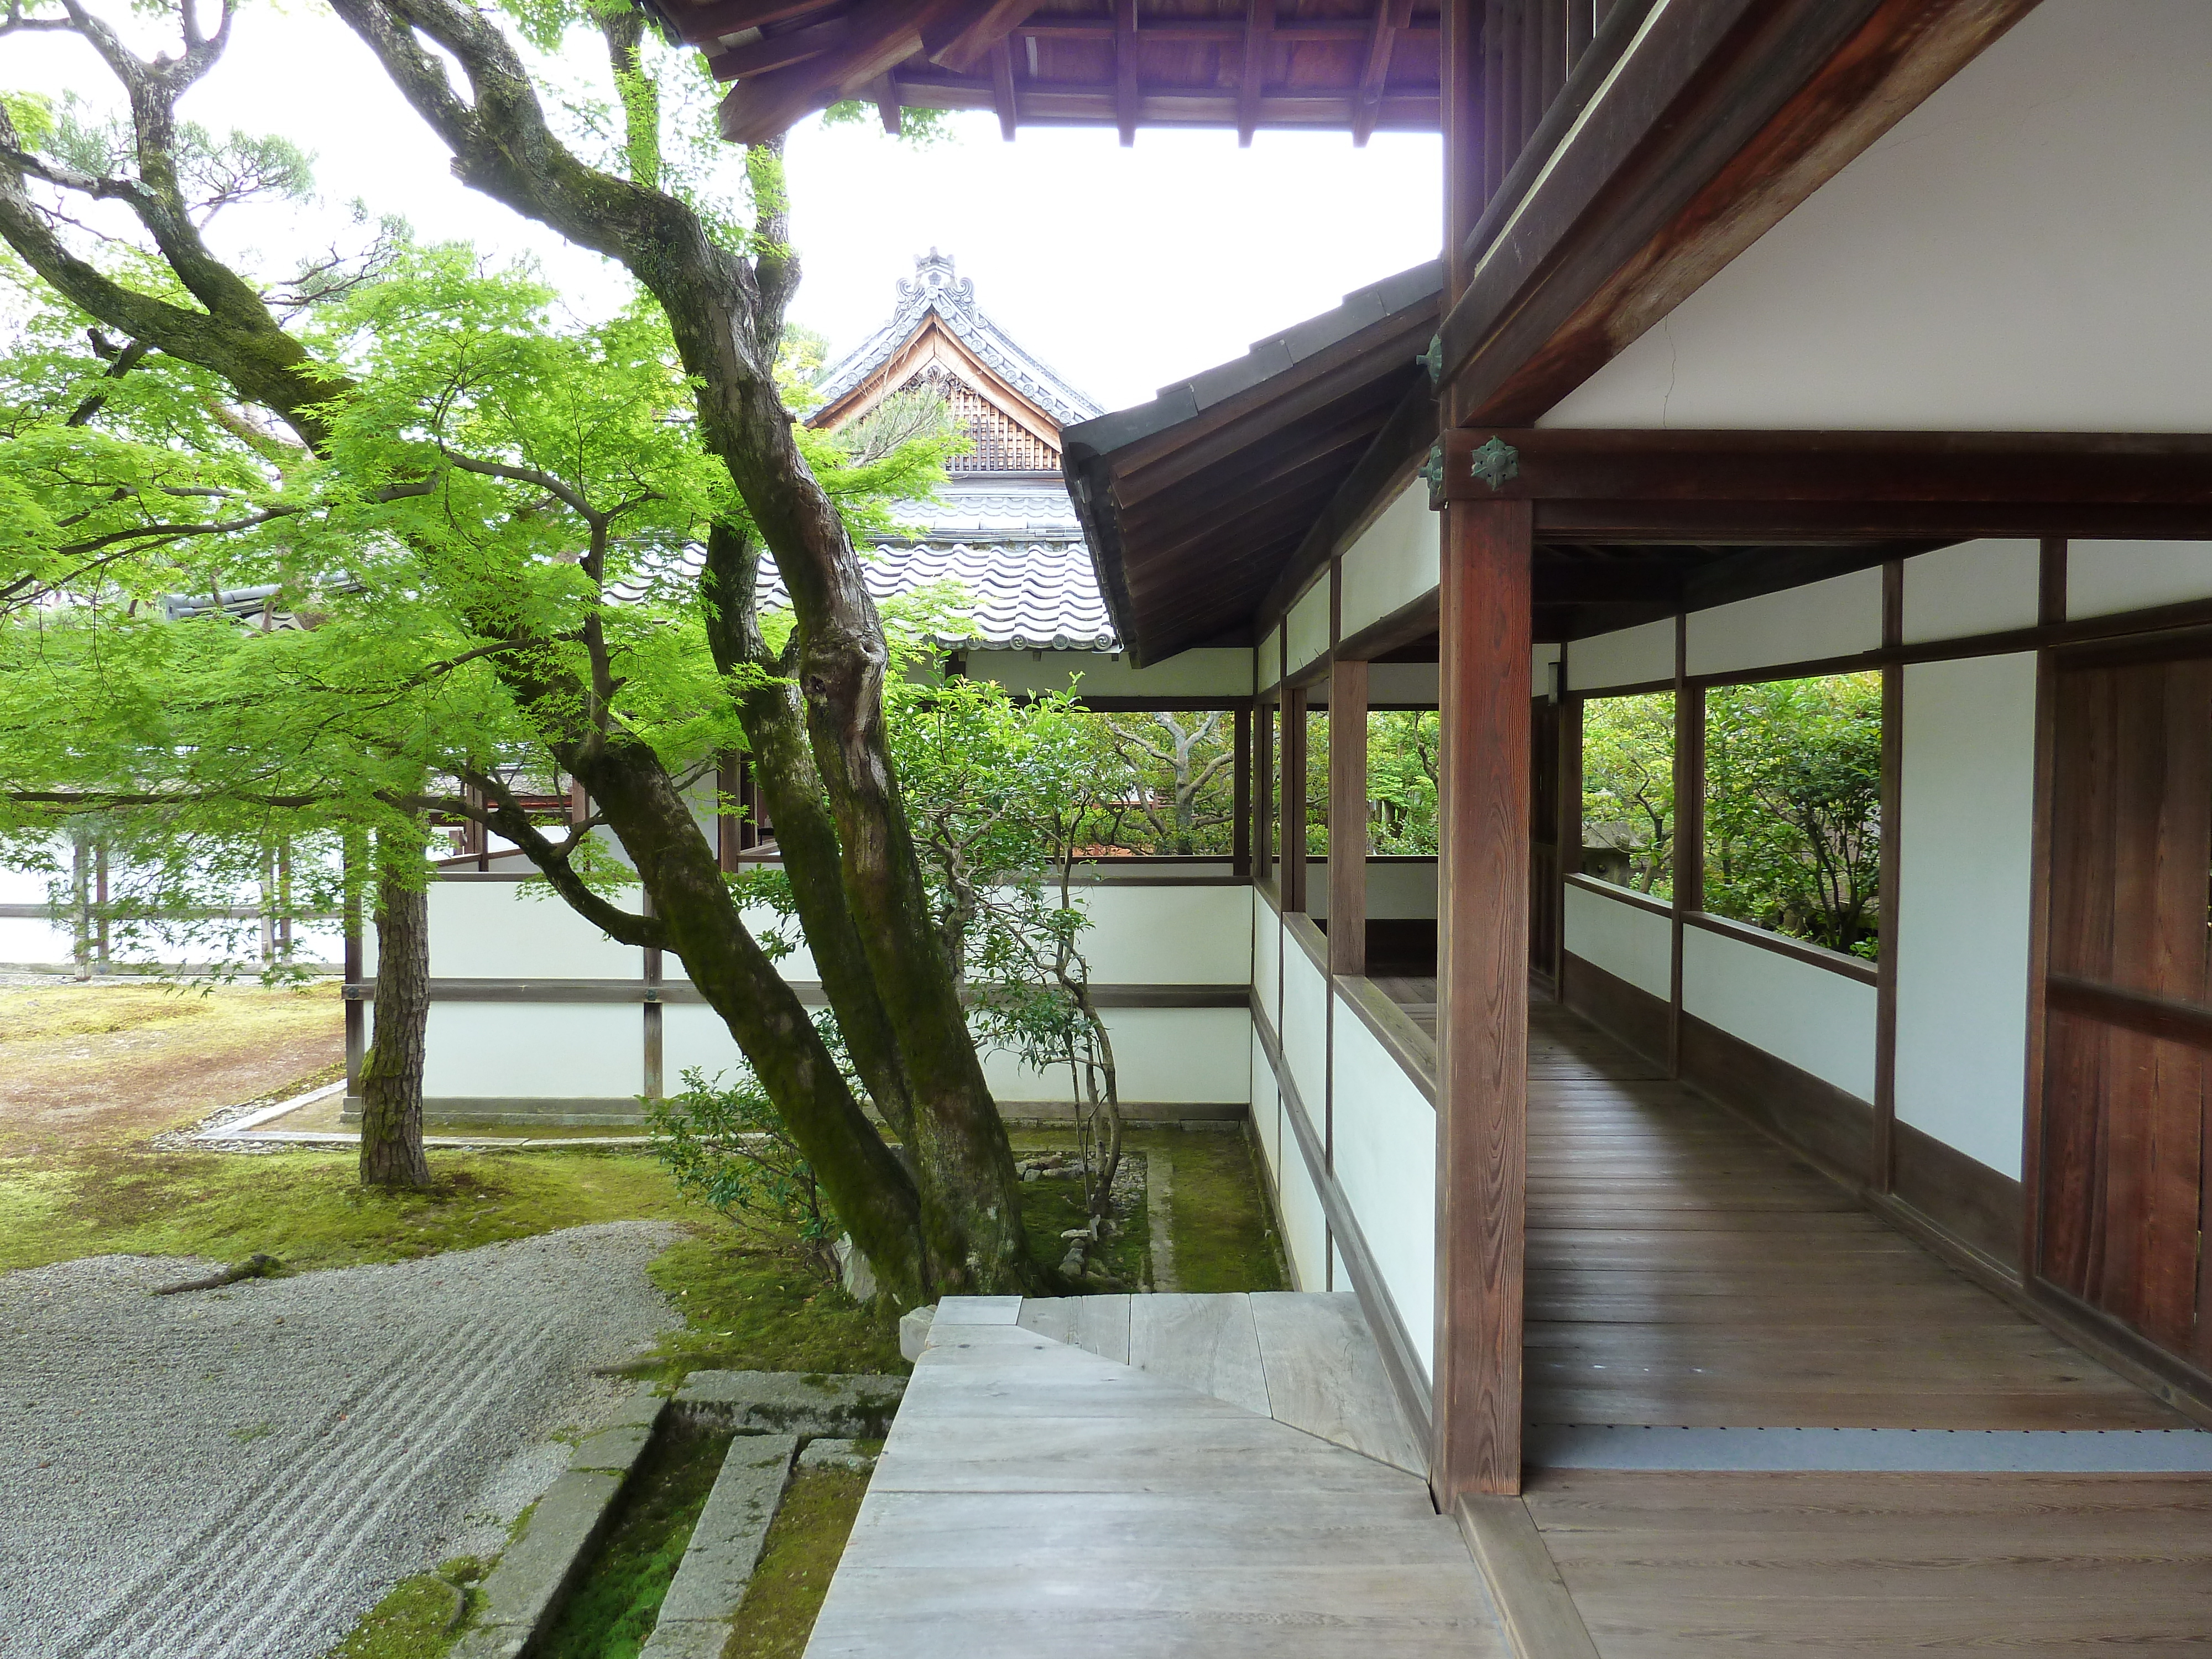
935	279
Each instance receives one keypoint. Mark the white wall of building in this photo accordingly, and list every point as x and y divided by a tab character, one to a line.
533	1050
2105	578
1982	587
1306	627
1392	562
1385	1155
1626	941
2025	250
1627	656
1966	821
1819	1021
2021	254
1203	675
1837	617
1304	1028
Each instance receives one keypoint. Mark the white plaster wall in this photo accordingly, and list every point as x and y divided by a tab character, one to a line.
1628	656
1966	817
2105	578
1213	672
763	922
2026	250
1305	1225
693	1035
1402	891
1831	618
1394	560
1304	1029
1627	942
504	1050
1982	586
1182	1056
1307	626
1819	1022
1267	1111
1386	1166
1267	661
1388	685
510	930
1266	953
1167	935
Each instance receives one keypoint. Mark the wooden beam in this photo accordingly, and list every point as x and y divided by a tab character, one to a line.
1348	818
1241	763
775	51
1292	829
1002	88
1617	478
962	43
1391	16
699	25
1482	1007
1259	30
885	96
1727	116
1469	110
1125	70
880	34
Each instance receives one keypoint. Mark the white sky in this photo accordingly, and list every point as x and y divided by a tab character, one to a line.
1122	269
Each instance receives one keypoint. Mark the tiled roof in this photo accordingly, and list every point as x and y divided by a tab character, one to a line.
934	288
1028	596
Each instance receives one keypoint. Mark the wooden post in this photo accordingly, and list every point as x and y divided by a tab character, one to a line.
99	899
1689	883
1882	1154
654	1018
1267	723
1293	829
1348	818
1482	999
1241	764
728	823
1571	826
356	1012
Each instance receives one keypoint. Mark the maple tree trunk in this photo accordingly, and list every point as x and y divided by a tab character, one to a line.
391	1072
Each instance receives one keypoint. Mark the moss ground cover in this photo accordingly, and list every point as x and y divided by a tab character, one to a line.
803	1546
1224	1237
308	1209
609	1615
415	1621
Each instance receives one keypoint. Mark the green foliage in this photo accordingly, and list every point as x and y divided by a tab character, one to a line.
753	1309
1628	789
1793	807
727	1148
1401	781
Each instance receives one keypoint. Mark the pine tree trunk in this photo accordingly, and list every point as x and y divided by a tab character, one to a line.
391	1076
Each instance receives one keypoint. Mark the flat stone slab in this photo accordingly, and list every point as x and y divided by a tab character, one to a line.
702	1604
836	1455
524	1590
808	1404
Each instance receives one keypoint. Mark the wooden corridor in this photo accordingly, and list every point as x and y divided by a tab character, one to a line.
1685	1270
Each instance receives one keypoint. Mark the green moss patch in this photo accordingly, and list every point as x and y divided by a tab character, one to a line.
309	1209
804	1544
612	1610
753	1310
1224	1235
415	1621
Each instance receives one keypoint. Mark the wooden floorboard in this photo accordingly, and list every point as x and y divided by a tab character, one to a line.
1325	1376
1035	1498
1684	1270
1204	1342
1688	1566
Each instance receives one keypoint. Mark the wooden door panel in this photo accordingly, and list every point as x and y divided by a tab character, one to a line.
2124	1091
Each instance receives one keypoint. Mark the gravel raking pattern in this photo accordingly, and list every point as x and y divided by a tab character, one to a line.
239	1474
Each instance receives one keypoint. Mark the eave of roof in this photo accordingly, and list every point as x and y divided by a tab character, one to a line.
1193	502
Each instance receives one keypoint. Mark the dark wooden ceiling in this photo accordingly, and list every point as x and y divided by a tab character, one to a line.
1352	65
1194	504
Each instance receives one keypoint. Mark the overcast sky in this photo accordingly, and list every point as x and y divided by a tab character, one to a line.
1123	268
